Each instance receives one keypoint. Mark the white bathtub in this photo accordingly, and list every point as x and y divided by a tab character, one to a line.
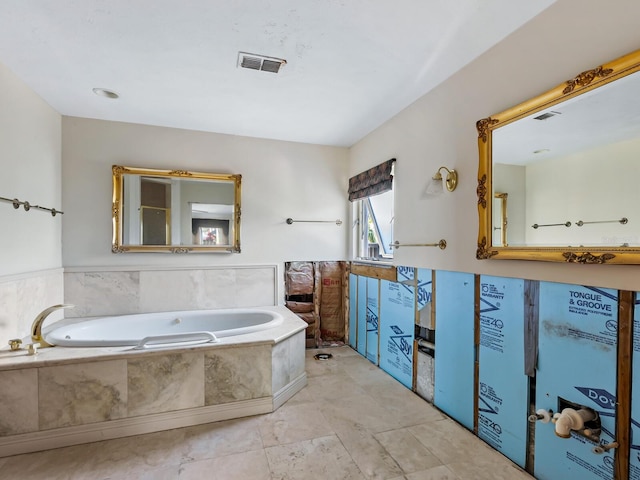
162	329
254	369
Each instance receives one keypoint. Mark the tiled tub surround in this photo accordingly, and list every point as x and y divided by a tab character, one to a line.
120	290
66	396
24	296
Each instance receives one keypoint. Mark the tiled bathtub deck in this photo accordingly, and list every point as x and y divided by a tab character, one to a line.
352	421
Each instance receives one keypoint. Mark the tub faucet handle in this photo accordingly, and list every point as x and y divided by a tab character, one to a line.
15	344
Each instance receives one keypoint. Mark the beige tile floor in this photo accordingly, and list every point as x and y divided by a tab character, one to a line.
352	421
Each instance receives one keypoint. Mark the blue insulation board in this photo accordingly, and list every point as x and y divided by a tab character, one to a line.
634	467
424	291
362	316
455	350
353	309
577	362
405	274
372	319
503	385
397	307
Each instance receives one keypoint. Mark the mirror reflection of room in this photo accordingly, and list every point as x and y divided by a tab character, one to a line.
155	211
500	222
571	170
210	223
175	210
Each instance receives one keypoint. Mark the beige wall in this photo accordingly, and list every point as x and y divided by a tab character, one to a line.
279	180
439	129
30	258
30	170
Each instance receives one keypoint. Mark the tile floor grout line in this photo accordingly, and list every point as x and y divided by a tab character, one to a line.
351	457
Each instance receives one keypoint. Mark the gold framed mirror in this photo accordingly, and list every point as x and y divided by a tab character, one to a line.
175	211
567	160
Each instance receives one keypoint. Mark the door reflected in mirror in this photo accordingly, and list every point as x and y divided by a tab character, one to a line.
500	219
175	211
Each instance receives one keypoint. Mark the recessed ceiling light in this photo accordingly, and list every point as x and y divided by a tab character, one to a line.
103	92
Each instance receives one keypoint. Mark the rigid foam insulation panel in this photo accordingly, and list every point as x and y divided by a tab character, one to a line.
423	300
576	362
634	458
362	316
353	310
455	349
397	324
373	299
503	386
405	275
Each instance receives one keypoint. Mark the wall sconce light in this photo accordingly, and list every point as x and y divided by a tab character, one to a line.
436	184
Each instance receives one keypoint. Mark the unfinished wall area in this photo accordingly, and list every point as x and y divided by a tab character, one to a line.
504	353
315	291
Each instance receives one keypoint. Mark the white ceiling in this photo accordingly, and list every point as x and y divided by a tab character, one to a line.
351	64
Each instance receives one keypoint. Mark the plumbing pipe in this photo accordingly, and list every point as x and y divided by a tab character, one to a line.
595	438
600	449
425	343
571	419
541	414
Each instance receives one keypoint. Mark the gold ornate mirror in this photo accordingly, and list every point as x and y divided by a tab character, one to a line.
175	211
568	162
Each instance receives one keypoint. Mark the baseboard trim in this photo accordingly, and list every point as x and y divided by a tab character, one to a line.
289	390
95	432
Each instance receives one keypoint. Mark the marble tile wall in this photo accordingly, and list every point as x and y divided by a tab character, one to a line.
235	374
163	383
124	292
66	395
23	297
288	361
18	401
80	394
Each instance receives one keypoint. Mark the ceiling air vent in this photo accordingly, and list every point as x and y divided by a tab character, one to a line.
260	62
544	116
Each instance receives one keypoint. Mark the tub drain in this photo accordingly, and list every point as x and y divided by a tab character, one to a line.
323	356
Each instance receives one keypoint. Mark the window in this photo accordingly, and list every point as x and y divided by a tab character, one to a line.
375	227
372	194
209	236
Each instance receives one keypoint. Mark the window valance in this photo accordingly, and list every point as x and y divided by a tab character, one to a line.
378	179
